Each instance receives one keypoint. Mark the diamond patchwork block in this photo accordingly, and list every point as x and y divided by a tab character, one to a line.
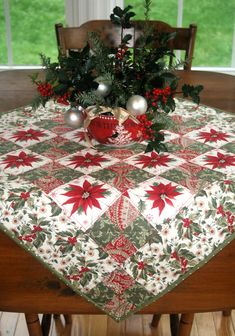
155	163
7	146
158	199
212	136
218	160
85	200
87	161
27	136
20	161
122	176
56	148
120	249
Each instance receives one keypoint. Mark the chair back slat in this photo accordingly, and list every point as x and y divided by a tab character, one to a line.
75	38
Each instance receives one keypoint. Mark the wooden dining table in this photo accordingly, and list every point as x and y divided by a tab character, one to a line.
28	286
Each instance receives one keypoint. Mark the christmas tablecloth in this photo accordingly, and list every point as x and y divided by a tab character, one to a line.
121	227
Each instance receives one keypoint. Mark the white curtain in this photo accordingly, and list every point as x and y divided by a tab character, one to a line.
80	11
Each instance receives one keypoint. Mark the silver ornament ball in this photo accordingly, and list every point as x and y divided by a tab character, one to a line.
74	117
137	105
103	89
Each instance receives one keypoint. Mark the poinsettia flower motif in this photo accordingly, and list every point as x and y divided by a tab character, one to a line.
30	134
213	136
85	196
162	194
220	161
22	159
153	160
87	160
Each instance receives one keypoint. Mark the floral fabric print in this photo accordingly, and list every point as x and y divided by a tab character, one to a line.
118	225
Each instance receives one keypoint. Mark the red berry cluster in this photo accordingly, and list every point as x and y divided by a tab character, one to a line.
145	126
45	89
63	99
121	53
159	95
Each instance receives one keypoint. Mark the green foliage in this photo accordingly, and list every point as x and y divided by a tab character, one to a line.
32	29
121	17
142	70
147	4
192	91
215	20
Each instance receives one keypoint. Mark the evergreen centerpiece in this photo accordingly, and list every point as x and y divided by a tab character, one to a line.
130	84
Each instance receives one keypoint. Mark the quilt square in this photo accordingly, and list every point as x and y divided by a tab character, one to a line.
21	161
87	161
155	163
122	176
184	123
230	147
158	199
119	281
84	200
51	176
56	148
217	160
27	136
212	136
7	146
120	249
187	175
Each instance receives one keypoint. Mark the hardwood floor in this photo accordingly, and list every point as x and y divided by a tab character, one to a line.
206	324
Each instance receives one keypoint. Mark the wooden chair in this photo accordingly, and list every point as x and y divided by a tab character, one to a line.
75	38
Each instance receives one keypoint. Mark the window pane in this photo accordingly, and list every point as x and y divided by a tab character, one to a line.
3	48
161	10
32	25
215	21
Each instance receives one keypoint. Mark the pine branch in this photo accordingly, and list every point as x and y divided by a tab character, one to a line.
103	62
147	4
90	98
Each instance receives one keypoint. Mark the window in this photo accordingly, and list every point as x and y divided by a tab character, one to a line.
215	21
32	29
27	27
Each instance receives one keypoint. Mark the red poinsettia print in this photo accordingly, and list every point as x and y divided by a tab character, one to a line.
213	136
22	159
87	160
153	160
84	197
30	134
220	161
162	194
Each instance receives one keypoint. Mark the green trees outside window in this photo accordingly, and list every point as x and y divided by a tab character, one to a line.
32	30
215	21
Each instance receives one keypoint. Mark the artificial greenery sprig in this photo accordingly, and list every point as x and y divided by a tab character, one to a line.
142	70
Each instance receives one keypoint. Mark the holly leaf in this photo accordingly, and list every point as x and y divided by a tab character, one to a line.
117	11
192	91
126	38
127	8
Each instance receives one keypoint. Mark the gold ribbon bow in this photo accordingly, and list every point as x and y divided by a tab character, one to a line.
118	112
